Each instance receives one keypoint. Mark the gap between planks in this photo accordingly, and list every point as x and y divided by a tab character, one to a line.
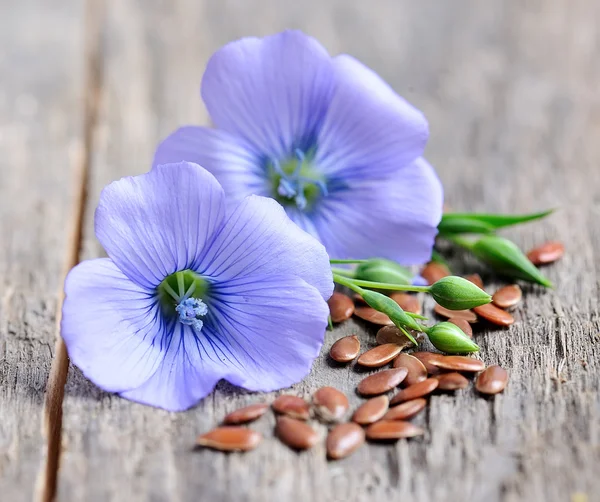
55	389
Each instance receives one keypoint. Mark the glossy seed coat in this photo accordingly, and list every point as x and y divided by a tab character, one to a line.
407	302
427	358
492	381
414	391
546	253
379	356
371	315
330	404
417	372
451	381
459	363
230	439
246	414
295	434
292	406
406	410
387	430
463	325
467	315
381	382
494	315
345	349
344	439
391	334
434	271
341	307
371	411
507	296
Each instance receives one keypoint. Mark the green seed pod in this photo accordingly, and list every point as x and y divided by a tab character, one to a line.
381	270
449	338
506	258
456	293
389	307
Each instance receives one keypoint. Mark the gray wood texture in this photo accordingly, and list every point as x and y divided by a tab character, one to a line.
40	141
511	90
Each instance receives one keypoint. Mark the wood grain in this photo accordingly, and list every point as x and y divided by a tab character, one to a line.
511	92
40	142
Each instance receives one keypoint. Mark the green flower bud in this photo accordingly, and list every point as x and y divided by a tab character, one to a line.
506	258
381	270
385	304
449	338
456	293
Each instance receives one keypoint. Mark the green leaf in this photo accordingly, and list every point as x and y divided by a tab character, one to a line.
506	258
483	223
464	224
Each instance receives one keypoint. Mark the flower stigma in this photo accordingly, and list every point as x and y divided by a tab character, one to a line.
181	295
296	181
190	310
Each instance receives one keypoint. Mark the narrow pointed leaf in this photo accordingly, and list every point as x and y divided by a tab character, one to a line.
453	223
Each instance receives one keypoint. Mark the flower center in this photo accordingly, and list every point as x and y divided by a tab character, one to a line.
296	181
181	295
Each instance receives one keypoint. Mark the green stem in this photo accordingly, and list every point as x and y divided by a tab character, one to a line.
341	262
393	287
460	241
344	281
342	271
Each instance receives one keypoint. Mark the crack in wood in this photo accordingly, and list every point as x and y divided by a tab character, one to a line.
55	389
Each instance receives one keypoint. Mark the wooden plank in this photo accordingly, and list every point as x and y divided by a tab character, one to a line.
41	61
510	89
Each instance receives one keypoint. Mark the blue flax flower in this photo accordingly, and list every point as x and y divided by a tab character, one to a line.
324	136
190	295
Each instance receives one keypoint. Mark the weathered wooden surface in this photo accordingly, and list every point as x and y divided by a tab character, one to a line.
511	90
40	103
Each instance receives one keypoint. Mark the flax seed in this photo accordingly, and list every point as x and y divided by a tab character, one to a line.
330	404
381	382
414	391
246	414
507	296
345	349
341	307
371	411
292	406
344	439
230	439
494	315
379	356
296	434
417	372
546	253
492	381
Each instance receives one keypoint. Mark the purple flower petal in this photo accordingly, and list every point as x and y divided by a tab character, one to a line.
260	240
275	325
393	218
111	326
157	223
369	130
190	368
271	91
229	159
